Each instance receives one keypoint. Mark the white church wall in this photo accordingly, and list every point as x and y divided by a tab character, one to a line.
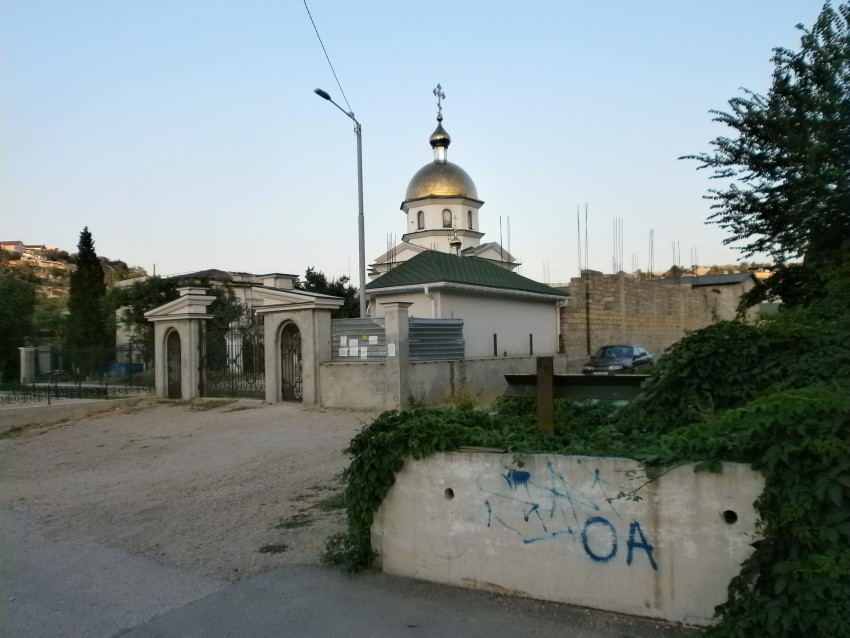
511	319
422	306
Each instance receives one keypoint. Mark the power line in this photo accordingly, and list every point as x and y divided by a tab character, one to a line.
327	57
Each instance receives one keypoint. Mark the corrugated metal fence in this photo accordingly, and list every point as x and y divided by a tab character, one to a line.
358	340
436	339
365	340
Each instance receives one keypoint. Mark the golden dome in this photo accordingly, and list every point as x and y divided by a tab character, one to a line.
441	180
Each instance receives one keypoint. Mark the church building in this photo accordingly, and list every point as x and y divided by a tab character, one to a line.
444	271
442	210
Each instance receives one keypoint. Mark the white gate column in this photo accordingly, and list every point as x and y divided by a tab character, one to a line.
396	323
314	326
186	315
27	365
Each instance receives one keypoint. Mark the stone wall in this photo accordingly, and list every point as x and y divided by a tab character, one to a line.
624	309
364	385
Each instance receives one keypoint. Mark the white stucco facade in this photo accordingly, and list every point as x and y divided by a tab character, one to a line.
522	324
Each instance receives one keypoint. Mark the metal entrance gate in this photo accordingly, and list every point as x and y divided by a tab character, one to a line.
290	363
173	365
233	361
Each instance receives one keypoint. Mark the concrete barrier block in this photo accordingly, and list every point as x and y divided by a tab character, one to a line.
562	529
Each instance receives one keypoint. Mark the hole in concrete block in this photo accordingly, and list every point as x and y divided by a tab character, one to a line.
730	517
449	493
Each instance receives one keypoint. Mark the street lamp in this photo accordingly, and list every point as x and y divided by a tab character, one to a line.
360	227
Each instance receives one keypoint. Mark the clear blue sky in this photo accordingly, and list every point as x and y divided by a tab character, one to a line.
185	133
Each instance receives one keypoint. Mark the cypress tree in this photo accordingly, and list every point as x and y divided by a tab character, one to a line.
86	321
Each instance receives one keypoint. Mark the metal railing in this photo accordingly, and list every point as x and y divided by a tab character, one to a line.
11	393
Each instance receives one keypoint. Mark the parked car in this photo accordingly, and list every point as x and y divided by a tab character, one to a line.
619	359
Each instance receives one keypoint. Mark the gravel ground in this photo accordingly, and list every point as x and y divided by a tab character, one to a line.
150	520
203	486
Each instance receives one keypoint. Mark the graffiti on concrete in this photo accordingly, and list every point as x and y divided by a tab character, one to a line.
553	507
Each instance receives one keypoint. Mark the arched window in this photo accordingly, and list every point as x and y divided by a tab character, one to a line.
420	220
447	218
469	219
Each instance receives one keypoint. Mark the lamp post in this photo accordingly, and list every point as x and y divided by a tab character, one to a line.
360	225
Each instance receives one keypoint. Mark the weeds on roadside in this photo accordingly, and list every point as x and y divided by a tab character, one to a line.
299	519
273	549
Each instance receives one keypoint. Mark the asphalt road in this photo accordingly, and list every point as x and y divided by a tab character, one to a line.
55	588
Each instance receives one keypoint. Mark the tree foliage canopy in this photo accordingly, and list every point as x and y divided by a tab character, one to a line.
87	326
786	168
16	311
316	281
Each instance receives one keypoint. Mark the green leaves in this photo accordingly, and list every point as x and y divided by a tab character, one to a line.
16	312
87	326
786	161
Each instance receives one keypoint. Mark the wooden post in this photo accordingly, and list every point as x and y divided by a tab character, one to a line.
546	394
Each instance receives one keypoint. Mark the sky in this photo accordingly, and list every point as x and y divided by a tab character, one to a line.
185	134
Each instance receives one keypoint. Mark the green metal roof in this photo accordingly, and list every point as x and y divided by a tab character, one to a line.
432	267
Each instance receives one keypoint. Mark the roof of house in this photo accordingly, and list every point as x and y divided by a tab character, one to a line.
709	280
477	250
432	267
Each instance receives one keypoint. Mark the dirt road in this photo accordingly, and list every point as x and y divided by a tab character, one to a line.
225	489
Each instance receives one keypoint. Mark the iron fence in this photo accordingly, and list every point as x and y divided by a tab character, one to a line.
130	364
233	361
84	373
11	393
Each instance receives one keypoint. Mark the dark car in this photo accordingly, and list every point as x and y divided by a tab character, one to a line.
619	360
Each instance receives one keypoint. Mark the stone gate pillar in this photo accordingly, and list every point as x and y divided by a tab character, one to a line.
396	323
27	364
185	315
314	326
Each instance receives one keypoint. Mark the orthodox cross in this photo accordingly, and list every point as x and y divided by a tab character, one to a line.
440	97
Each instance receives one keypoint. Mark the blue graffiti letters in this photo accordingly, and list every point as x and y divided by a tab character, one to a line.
554	508
517	478
601	558
644	544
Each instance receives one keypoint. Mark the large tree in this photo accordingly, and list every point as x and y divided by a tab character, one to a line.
317	281
786	168
87	327
16	310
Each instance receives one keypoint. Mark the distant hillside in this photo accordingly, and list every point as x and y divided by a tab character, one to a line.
49	270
